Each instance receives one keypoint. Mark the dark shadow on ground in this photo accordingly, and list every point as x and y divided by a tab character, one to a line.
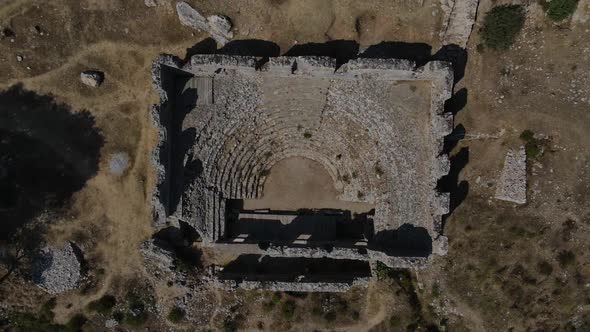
406	241
341	50
47	153
450	183
251	47
179	242
417	52
457	56
328	225
264	268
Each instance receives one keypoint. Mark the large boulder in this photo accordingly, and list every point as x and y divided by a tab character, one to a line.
57	270
219	27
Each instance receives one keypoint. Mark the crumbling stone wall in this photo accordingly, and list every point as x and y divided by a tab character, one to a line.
365	113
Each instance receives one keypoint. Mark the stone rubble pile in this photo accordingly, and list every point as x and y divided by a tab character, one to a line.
57	270
512	184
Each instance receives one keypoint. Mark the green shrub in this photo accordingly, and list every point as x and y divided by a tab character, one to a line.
527	135
276	298
76	323
501	26
558	10
533	146
104	305
176	315
288	309
566	258
307	135
383	272
135	320
545	268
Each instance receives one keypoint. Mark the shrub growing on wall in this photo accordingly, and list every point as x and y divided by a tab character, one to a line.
501	26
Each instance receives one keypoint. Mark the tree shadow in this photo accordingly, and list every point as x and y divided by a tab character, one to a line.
47	153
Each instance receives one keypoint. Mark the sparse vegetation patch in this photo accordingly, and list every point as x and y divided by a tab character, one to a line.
501	26
559	10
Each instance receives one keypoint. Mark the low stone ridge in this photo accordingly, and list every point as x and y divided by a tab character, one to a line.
460	17
93	78
218	26
57	270
512	185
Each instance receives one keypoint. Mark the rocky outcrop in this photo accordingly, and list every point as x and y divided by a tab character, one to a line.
512	185
218	26
57	270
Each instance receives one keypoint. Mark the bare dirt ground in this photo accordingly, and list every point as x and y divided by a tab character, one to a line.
301	183
517	268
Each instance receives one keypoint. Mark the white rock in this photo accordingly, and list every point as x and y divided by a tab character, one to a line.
512	185
92	78
191	17
118	163
19	58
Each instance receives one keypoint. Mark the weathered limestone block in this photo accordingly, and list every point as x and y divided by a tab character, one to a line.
512	185
218	26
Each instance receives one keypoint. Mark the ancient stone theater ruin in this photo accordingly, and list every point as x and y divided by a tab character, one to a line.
232	127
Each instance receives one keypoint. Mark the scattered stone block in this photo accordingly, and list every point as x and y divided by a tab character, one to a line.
512	185
218	26
92	78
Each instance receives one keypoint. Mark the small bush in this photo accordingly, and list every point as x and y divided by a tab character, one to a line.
265	172
176	315
76	323
135	318
566	258
276	298
501	26
104	305
533	146
559	10
527	135
307	135
545	268
288	309
382	271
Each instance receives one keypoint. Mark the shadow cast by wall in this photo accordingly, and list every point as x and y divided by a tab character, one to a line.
406	241
450	183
